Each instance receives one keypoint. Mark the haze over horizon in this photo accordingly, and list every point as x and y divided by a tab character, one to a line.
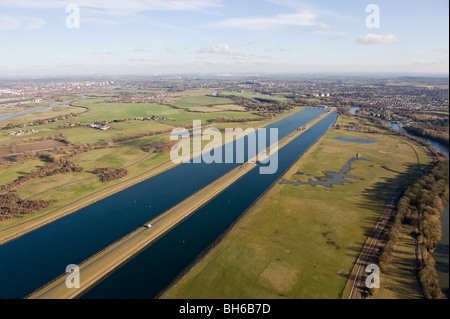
148	37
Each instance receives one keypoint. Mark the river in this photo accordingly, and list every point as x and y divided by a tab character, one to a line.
442	253
441	147
4	117
31	261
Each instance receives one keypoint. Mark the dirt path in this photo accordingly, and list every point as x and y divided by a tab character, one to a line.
356	287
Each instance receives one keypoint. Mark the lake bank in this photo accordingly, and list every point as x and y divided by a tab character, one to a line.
78	236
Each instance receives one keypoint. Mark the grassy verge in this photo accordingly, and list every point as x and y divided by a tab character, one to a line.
112	257
301	242
74	191
400	280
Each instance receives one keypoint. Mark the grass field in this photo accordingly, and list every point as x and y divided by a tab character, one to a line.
111	157
400	280
192	101
70	187
250	95
100	111
118	130
437	112
10	174
217	108
299	242
56	111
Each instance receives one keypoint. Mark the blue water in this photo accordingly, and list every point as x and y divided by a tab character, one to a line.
355	140
34	259
442	253
441	147
4	117
153	270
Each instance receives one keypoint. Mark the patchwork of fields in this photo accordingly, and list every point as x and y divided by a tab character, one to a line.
297	242
128	126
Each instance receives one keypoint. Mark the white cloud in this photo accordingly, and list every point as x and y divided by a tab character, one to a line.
219	49
225	50
304	18
110	12
377	39
8	23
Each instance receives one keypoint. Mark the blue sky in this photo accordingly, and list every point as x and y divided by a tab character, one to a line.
222	36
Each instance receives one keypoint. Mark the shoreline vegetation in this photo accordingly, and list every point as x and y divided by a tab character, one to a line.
441	137
101	264
280	268
64	158
112	257
421	207
415	229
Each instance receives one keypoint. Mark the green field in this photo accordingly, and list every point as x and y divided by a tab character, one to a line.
400	280
111	157
69	187
299	242
250	95
217	108
56	111
192	101
436	112
10	174
118	130
100	111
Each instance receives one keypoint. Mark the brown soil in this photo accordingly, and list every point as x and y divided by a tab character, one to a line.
24	148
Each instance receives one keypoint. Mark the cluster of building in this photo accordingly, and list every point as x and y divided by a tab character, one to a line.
21	132
153	118
41	88
103	126
320	95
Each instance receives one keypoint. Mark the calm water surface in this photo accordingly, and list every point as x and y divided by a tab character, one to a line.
36	258
150	272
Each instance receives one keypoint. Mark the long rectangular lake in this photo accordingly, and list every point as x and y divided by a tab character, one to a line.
153	270
31	261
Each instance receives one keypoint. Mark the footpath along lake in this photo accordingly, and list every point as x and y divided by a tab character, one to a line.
31	261
153	270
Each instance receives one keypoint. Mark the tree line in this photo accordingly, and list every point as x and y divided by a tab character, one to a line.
12	206
261	104
421	206
158	147
110	174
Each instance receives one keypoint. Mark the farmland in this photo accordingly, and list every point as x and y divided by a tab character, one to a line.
131	126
